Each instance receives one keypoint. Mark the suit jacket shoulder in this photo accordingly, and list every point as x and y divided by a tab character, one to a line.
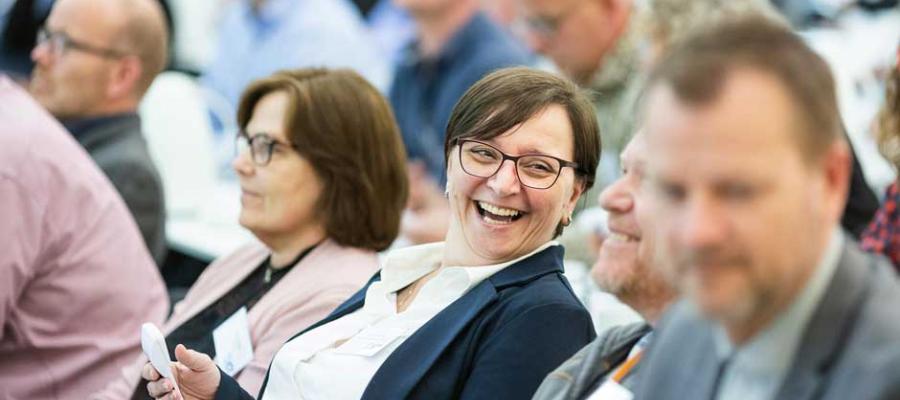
579	375
121	152
848	349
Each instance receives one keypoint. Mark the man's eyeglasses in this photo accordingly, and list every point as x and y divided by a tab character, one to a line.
536	171
59	42
260	146
546	26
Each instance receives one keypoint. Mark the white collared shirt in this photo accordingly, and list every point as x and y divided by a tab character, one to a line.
757	369
338	359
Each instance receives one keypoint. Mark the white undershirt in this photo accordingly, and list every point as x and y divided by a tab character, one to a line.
313	366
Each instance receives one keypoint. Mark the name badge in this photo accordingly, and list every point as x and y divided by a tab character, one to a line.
611	390
370	341
232	340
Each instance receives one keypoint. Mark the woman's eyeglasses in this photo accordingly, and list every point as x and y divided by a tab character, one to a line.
537	171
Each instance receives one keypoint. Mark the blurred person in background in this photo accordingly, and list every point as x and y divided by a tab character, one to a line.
258	37
76	281
746	201
94	61
883	234
625	268
485	314
322	190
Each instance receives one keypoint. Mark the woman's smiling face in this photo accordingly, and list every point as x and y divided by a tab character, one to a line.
497	219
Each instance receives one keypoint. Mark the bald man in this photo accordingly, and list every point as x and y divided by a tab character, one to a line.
94	60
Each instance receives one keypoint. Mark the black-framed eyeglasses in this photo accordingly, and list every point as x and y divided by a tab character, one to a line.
59	42
260	146
537	171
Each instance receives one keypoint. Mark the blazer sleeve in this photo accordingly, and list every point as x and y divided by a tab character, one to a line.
513	361
229	389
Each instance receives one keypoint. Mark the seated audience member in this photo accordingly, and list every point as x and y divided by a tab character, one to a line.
94	61
76	281
258	37
746	203
625	268
322	189
671	21
485	314
883	235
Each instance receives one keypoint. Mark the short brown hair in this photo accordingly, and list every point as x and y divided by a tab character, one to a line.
511	96
698	68
346	130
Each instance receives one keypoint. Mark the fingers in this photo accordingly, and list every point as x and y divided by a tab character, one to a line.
149	373
194	360
161	388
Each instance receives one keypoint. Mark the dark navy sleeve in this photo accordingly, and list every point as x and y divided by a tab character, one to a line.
230	390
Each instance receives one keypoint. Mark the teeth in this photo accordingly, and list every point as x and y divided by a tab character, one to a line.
621	237
503	212
492	221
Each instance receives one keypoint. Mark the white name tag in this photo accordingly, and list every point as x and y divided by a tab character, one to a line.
370	341
232	340
611	390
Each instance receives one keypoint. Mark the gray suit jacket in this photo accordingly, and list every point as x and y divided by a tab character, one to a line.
849	350
119	149
582	374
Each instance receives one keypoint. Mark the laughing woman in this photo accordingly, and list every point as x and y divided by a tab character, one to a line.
485	314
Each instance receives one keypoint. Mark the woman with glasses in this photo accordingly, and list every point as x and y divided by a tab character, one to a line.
323	190
486	313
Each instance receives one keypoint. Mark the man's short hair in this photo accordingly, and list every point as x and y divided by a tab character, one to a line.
697	69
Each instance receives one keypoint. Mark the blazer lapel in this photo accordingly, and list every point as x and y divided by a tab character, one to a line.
409	362
406	366
829	328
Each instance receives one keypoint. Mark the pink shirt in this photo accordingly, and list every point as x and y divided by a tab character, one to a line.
76	280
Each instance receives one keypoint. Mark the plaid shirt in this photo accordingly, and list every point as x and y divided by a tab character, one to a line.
883	234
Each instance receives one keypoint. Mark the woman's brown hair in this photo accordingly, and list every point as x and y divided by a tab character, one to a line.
345	128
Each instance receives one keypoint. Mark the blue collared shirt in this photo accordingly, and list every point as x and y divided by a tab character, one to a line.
425	90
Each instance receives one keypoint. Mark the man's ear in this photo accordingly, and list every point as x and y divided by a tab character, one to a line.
125	77
837	163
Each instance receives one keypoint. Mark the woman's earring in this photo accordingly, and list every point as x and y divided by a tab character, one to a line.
567	219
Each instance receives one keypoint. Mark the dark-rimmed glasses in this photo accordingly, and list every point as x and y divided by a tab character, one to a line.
59	42
260	147
537	171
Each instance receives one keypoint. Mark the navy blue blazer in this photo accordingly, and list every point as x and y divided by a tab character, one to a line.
498	341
